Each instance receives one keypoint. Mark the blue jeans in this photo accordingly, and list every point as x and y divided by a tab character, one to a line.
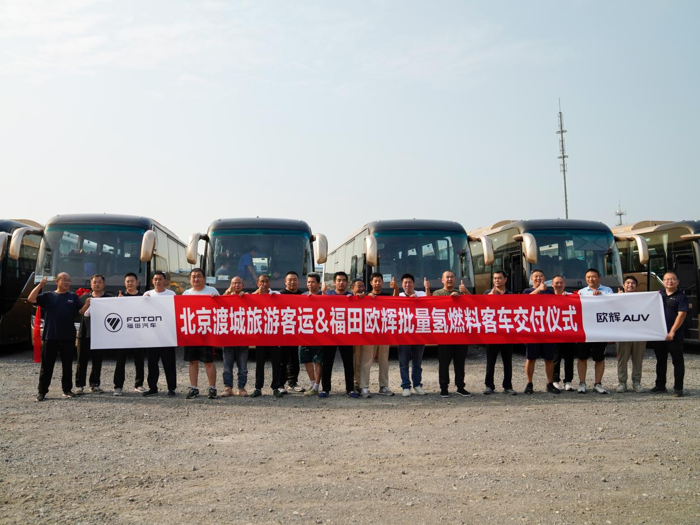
413	353
240	355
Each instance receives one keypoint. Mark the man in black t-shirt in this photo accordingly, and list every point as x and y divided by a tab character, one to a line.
676	307
59	309
131	289
289	355
85	351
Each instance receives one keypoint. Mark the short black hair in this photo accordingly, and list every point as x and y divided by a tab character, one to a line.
630	278
161	273
131	274
376	274
315	276
98	275
536	270
340	274
501	272
291	272
593	270
358	280
408	276
195	270
561	276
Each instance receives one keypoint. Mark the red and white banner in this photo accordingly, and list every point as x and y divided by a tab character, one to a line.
290	320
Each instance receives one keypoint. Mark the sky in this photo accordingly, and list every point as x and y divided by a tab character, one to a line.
340	113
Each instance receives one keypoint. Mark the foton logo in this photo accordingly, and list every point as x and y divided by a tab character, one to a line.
113	322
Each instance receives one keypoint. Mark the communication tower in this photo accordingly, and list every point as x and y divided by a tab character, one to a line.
563	158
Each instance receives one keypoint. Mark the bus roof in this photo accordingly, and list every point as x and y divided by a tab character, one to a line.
540	224
642	227
10	225
108	218
406	224
260	223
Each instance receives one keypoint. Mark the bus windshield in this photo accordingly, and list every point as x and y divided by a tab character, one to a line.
83	250
248	252
571	252
423	254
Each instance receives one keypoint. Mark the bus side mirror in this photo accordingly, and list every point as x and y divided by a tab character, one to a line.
372	258
148	245
192	245
16	242
529	246
320	248
642	246
3	245
487	247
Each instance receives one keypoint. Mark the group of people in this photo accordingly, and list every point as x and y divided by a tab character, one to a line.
59	336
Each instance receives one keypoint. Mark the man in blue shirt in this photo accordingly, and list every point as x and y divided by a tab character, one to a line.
676	308
593	350
246	269
59	309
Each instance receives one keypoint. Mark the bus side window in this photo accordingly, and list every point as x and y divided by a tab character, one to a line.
353	267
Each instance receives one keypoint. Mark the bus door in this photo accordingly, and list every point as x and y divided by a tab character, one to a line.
515	272
687	271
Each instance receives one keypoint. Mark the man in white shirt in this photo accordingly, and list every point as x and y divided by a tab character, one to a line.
593	350
205	354
411	353
164	354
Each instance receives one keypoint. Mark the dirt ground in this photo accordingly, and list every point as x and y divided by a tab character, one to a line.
620	458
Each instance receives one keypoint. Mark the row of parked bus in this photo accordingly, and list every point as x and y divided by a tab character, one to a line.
114	245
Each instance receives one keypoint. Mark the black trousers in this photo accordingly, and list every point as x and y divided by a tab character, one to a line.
566	351
491	358
261	355
119	370
446	355
84	355
328	358
167	356
49	352
675	348
289	365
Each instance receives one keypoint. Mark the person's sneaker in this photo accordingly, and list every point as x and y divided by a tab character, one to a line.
637	388
282	391
406	392
296	388
444	392
191	393
509	392
149	393
40	397
118	392
242	392
323	395
656	389
419	390
96	389
568	386
365	393
353	394
228	392
621	388
582	388
463	392
212	393
558	384
552	388
599	388
385	391
172	393
68	393
488	391
140	389
277	392
256	393
311	392
79	391
677	393
529	389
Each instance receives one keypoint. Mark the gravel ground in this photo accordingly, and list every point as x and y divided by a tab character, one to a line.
620	458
